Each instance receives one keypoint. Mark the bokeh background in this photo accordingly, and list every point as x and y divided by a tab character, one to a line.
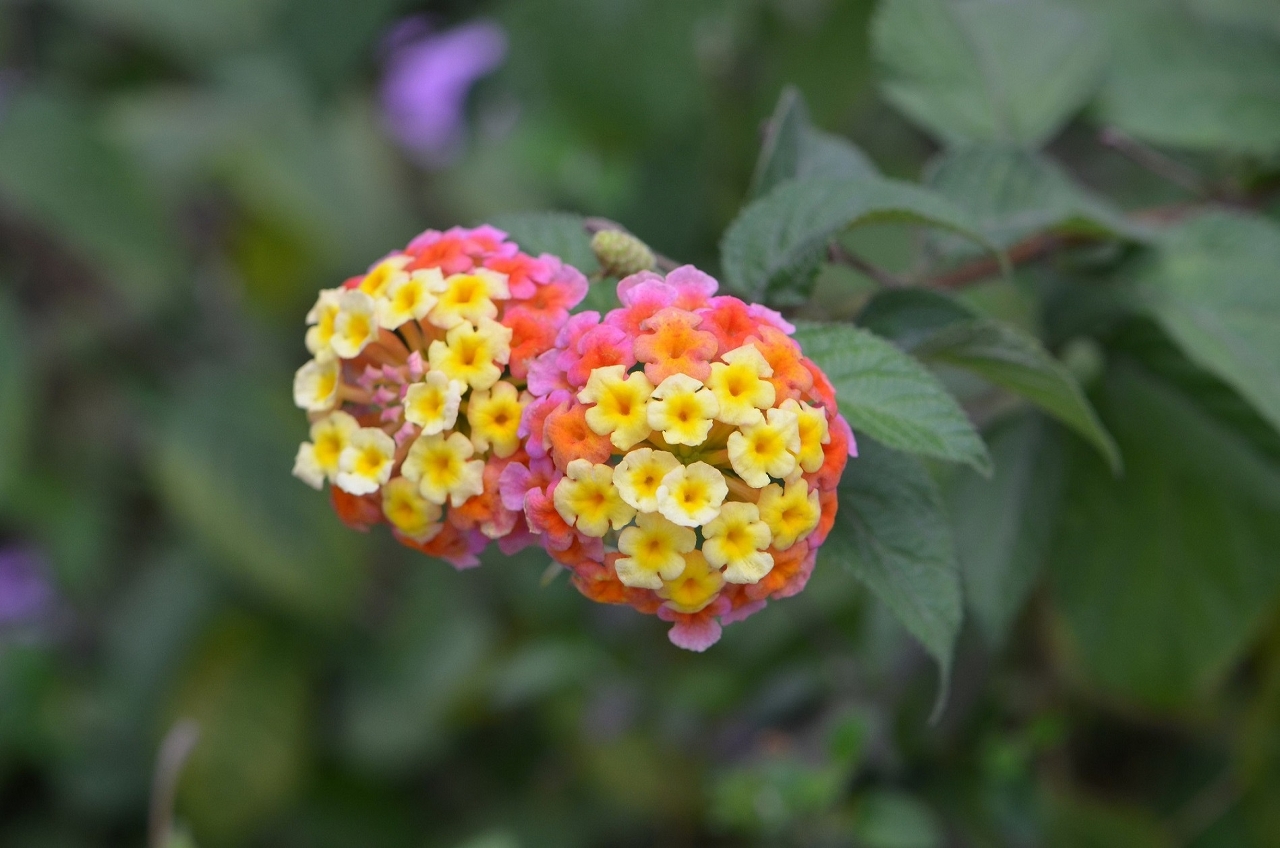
179	177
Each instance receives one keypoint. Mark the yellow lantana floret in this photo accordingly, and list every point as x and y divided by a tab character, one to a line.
736	542
682	410
697	586
469	297
586	498
621	409
408	511
320	323
472	354
791	513
494	416
409	298
318	458
766	449
356	325
443	469
814	433
315	385
385	274
640	474
655	550
433	403
365	463
740	385
691	495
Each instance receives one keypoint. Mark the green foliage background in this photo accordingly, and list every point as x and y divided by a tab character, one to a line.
1035	243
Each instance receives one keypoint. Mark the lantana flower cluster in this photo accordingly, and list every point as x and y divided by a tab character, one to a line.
417	387
682	455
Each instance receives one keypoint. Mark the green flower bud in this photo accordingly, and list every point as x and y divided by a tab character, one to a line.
621	254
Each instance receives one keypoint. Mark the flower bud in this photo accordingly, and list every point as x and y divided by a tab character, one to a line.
621	254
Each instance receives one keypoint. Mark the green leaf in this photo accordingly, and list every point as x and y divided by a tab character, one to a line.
892	531
987	70
58	174
1003	526
895	820
1164	575
773	249
194	30
908	316
1213	288
221	464
17	397
891	397
1016	361
557	233
1012	194
794	149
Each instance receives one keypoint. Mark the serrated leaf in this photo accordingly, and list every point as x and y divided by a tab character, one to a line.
794	149
1164	575
892	531
967	69
891	397
1011	359
1003	526
557	233
1213	287
773	249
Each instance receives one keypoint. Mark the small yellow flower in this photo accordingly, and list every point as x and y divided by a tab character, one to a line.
443	468
697	586
315	385
654	550
766	449
433	403
740	385
365	463
791	513
586	496
691	495
472	354
319	457
682	410
736	542
356	325
409	298
621	405
385	274
640	474
408	511
469	297
321	319
494	416
814	433
305	467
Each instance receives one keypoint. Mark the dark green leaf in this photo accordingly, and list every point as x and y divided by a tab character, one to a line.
17	397
892	530
987	70
1004	525
886	394
772	250
908	316
557	233
794	149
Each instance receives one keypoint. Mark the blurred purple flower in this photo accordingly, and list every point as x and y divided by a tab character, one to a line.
426	81
25	594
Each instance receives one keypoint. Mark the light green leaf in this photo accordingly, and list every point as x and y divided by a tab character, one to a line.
1164	575
891	397
1214	288
1016	361
987	70
1003	526
557	233
895	820
892	531
772	250
58	174
794	149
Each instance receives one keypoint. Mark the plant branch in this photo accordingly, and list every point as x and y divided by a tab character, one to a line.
1154	161
840	256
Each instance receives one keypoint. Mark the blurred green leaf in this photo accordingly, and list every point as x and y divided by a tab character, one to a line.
888	395
221	466
987	70
794	149
893	532
887	819
772	250
1086	823
17	397
1213	287
1163	576
908	316
247	688
60	175
558	233
195	29
1004	525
